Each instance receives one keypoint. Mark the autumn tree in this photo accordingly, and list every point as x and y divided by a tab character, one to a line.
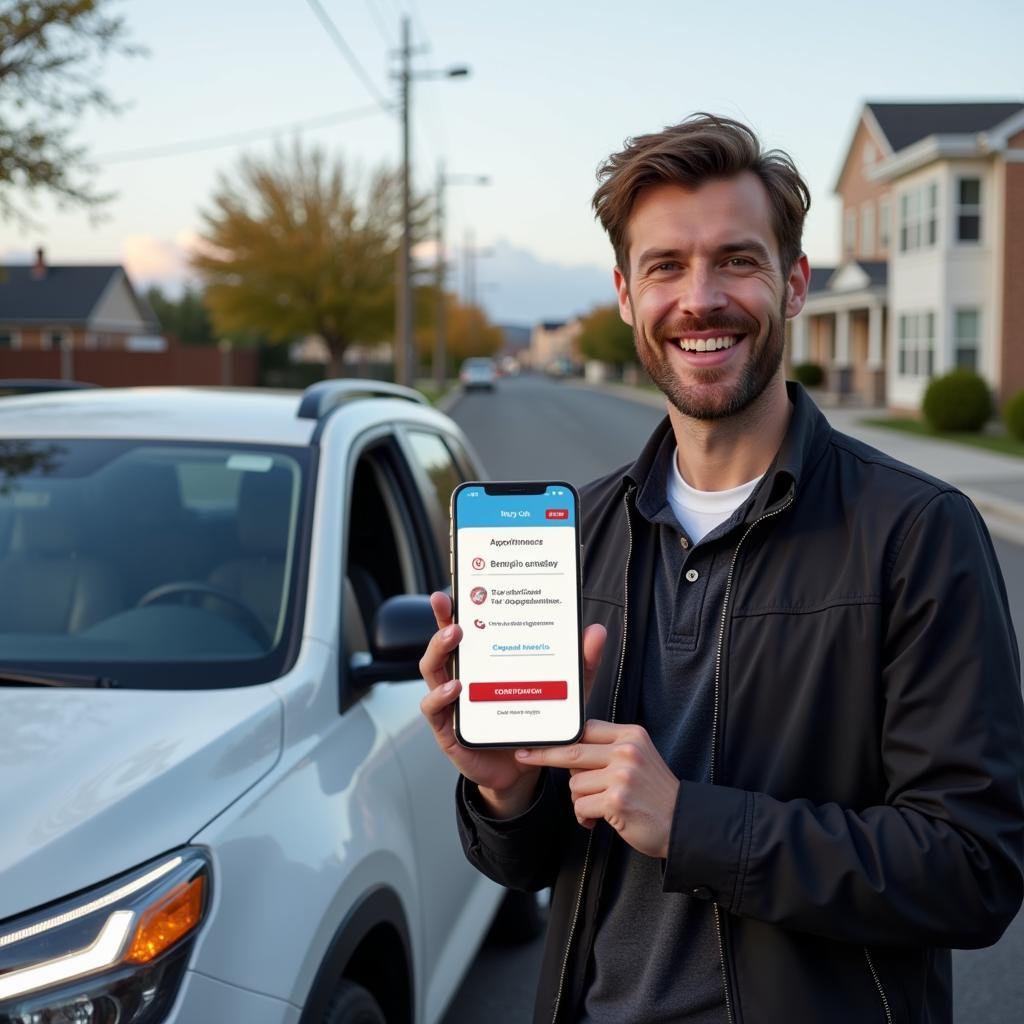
468	332
605	337
51	52
295	245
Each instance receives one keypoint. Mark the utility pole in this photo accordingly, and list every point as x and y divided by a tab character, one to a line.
441	341
405	359
405	354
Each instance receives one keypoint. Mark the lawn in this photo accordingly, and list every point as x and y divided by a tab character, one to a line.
996	442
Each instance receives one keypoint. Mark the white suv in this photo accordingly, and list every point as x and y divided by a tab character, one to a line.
220	802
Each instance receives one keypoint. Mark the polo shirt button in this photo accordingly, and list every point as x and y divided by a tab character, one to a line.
692	575
702	892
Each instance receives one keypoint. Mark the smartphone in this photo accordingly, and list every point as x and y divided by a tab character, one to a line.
517	594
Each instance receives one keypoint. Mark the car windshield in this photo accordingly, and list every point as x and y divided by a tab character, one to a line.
152	565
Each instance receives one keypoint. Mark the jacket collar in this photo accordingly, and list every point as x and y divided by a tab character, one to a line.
801	448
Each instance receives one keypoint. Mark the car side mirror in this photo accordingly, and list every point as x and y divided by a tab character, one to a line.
401	630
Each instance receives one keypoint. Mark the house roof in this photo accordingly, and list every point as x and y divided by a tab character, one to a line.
822	278
66	294
819	278
906	123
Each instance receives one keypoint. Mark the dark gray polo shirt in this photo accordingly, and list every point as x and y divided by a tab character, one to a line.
656	956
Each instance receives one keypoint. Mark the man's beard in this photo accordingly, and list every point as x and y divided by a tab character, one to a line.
704	401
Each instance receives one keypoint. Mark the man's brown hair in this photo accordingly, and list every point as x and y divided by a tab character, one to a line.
701	148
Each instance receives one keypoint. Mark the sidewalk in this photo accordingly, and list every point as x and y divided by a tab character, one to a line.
994	482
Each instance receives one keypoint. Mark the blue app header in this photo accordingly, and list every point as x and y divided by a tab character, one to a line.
478	508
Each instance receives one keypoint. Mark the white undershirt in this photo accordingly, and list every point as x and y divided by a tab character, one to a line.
699	512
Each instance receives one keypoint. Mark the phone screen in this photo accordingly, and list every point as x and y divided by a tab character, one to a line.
517	598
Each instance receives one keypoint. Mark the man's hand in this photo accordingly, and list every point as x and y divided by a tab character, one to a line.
617	774
506	784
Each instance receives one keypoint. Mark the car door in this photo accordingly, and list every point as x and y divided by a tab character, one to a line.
392	548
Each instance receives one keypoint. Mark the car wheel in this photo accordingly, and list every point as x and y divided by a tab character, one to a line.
353	1004
520	919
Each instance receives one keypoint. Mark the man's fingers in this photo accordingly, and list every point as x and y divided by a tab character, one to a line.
436	707
441	604
593	644
434	663
584	756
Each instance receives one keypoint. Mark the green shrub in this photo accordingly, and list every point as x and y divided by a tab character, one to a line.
1013	415
957	401
809	374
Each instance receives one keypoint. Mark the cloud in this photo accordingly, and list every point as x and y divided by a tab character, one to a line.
515	287
150	260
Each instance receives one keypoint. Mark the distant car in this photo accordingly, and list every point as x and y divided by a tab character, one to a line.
479	372
220	799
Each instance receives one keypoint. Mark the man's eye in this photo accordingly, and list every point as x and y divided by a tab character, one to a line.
740	261
664	266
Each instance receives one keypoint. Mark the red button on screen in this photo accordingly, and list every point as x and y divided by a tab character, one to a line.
548	690
556	513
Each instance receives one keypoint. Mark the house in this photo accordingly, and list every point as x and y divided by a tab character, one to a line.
932	237
74	307
555	343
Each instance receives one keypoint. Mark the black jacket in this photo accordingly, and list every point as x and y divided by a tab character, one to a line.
867	805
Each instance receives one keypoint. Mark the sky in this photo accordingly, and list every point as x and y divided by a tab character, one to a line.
554	88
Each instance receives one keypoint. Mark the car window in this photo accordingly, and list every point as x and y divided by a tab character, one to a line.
437	462
384	554
130	559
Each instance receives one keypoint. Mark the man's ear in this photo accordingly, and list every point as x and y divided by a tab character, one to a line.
796	286
622	291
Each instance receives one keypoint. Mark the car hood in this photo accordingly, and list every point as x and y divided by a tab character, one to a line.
94	782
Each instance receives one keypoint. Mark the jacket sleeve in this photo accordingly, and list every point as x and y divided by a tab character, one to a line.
940	861
524	852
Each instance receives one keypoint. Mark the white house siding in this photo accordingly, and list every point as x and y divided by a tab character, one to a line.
116	312
943	278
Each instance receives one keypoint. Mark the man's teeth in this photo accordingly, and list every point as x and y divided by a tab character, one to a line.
708	344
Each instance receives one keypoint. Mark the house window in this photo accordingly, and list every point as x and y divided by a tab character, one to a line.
6	339
867	230
968	210
850	233
919	218
916	351
53	339
883	225
965	339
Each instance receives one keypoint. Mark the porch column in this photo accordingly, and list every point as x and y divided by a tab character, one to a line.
842	339
801	340
843	374
876	362
875	338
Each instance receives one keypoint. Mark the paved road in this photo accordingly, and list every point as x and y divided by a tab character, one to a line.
533	427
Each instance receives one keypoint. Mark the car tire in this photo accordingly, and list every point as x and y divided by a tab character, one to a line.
353	1004
520	919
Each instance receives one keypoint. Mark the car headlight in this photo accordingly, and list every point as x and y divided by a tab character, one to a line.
113	955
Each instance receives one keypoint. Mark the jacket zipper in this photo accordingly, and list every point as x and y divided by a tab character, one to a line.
878	985
714	724
615	701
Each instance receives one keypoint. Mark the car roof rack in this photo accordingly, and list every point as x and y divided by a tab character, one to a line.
31	386
321	398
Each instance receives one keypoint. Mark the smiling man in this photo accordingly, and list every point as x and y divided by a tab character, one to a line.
801	779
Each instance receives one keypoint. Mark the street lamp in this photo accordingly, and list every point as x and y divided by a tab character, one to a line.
440	340
405	357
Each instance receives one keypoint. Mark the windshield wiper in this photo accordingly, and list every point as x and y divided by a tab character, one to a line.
15	677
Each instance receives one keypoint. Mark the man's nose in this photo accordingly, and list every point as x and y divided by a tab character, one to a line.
701	293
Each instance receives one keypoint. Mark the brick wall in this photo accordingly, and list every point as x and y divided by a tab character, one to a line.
1012	334
855	189
112	368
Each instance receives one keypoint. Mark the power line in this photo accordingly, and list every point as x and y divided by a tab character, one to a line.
219	141
346	51
378	20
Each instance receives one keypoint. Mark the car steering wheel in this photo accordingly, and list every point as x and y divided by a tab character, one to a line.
250	620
